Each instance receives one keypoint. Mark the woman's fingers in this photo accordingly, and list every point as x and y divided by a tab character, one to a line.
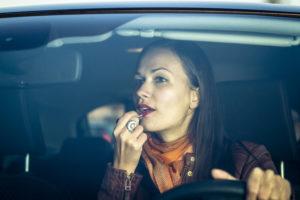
129	144
221	174
132	139
137	143
265	185
261	185
287	189
142	139
125	134
253	183
123	121
276	193
137	131
281	190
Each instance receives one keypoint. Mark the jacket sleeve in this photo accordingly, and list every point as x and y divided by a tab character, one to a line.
117	185
248	155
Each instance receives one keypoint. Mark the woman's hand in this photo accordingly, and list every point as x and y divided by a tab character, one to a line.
261	184
128	147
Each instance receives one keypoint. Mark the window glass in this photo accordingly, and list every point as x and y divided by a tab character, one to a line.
296	120
69	64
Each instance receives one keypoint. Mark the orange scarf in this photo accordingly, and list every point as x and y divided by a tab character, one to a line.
164	161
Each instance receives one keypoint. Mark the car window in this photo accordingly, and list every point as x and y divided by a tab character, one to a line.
67	59
65	79
81	51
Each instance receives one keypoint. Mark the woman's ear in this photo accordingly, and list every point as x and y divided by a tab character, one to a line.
195	98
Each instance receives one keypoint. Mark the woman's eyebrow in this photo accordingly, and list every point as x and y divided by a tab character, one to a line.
138	75
159	68
154	70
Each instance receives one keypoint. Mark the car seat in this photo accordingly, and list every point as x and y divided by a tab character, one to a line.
20	136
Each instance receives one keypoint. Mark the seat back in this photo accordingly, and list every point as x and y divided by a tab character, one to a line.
258	111
20	131
26	187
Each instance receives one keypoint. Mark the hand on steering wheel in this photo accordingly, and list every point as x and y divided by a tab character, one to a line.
261	184
204	190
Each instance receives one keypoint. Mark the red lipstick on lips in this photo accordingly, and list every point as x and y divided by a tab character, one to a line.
144	110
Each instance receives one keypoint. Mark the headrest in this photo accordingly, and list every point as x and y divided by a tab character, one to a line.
20	131
258	111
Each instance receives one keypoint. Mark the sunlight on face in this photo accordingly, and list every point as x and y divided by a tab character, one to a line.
164	86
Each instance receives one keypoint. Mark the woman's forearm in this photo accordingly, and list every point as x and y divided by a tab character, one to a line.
117	185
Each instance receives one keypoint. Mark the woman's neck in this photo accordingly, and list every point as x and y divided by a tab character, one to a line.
169	137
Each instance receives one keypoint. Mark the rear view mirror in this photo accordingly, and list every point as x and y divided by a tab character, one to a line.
39	67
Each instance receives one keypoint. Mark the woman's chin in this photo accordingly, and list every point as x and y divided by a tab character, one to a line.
148	127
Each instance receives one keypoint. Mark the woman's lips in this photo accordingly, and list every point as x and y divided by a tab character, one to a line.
146	112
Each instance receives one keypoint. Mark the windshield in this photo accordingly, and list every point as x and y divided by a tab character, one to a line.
66	80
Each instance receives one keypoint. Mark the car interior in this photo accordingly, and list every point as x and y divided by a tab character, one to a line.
65	81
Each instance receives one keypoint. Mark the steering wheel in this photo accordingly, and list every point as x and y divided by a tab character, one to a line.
204	190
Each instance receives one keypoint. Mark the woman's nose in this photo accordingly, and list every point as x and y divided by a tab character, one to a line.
143	91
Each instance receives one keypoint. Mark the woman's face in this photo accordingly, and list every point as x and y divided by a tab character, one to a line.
164	94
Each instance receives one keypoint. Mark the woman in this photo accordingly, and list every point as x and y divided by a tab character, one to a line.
180	138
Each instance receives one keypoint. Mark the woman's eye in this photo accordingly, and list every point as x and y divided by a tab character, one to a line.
139	81
160	80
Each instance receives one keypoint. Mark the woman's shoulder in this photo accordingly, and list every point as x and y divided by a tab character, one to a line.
244	149
248	148
248	155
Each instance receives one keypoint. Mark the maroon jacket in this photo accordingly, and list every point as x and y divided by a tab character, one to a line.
116	185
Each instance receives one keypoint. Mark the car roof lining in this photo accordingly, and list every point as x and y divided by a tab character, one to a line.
219	28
